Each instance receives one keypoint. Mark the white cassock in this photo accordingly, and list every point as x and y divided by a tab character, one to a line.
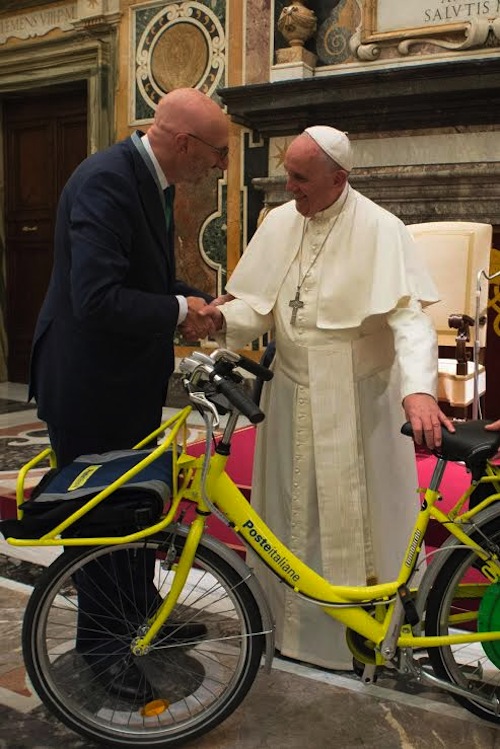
333	477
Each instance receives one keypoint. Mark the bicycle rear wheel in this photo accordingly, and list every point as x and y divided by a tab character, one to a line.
463	598
196	683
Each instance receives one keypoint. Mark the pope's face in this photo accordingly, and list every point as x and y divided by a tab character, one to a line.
312	178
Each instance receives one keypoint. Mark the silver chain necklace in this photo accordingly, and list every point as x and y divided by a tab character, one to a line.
296	303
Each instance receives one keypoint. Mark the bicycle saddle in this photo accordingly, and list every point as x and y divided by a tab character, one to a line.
470	444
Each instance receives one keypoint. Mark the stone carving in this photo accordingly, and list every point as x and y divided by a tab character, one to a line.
479	31
476	35
38	23
297	23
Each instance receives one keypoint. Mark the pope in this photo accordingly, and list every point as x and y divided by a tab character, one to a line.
338	280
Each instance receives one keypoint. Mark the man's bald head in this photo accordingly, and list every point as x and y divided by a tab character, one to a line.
188	123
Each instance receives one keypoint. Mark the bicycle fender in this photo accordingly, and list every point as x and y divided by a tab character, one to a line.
445	551
236	562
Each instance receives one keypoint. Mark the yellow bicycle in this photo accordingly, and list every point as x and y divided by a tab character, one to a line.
198	680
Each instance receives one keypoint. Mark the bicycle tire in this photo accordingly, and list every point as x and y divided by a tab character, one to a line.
198	685
468	665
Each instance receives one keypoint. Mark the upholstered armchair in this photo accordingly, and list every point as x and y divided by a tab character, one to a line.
455	253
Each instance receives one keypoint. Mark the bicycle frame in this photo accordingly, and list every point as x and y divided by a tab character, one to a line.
346	604
256	534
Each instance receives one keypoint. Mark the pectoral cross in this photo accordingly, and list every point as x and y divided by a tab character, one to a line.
296	304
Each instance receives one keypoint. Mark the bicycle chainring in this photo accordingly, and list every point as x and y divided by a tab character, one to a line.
361	648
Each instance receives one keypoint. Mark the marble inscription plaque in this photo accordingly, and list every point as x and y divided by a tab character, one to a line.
38	22
383	16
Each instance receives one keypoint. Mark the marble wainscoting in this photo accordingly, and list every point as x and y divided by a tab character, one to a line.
418	193
258	31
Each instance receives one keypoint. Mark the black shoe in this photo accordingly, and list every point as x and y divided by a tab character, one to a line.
121	677
183	633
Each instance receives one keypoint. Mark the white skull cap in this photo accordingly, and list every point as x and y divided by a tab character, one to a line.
334	143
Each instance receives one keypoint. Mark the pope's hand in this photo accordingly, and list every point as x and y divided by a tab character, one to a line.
426	418
222	299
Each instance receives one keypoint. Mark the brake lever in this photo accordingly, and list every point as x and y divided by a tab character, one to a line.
199	399
224	353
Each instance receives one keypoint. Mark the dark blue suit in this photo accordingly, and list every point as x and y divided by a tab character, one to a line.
103	352
103	345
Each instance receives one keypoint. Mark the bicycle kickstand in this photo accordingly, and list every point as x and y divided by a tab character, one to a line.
369	674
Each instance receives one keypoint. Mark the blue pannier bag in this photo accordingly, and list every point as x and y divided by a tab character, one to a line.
135	505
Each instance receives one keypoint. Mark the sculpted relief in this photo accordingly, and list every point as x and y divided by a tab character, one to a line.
445	24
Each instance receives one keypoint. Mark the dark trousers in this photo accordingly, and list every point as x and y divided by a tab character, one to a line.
115	592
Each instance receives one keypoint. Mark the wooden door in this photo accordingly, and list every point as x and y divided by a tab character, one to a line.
45	138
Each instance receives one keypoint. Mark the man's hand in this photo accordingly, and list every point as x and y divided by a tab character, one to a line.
195	327
494	427
426	418
212	312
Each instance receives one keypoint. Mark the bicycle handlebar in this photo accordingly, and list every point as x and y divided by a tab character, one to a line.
256	369
205	372
239	398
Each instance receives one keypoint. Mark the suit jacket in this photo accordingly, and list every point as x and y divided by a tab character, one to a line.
103	346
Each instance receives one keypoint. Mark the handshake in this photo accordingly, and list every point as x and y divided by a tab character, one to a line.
202	319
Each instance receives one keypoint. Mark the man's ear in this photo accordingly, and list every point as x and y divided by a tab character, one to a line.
181	142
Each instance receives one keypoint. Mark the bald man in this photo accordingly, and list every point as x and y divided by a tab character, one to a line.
338	280
103	346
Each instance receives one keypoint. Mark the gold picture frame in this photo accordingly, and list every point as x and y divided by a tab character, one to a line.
445	23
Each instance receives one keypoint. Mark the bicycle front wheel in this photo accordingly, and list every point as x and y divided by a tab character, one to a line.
463	598
84	614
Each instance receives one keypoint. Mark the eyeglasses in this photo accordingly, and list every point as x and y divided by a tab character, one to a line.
223	152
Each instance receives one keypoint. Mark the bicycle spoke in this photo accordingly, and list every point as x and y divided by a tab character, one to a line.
190	683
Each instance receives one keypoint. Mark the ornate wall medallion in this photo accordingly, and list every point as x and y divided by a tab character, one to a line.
176	45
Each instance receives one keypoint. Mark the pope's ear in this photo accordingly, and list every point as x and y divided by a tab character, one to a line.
341	177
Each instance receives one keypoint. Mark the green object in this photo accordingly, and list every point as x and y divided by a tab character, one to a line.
488	620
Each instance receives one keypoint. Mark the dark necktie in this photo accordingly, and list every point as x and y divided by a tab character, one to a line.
168	206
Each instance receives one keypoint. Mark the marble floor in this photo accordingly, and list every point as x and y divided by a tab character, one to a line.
294	706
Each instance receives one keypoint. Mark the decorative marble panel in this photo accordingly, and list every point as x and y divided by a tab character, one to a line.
334	34
175	44
258	45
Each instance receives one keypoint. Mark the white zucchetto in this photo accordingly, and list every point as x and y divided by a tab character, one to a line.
334	143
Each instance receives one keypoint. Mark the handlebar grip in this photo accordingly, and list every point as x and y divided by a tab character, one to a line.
256	369
237	396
